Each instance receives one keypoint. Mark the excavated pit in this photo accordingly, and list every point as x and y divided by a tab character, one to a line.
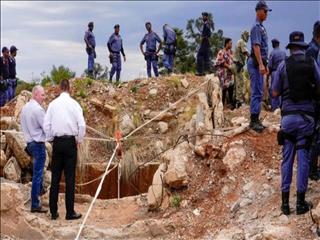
137	184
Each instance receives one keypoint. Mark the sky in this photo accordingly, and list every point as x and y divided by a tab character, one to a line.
51	33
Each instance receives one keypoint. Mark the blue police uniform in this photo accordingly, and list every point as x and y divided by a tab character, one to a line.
276	57
314	52
12	81
258	36
151	40
299	126
203	55
115	47
90	38
4	75
169	37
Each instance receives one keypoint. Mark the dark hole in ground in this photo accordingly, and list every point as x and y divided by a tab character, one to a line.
139	183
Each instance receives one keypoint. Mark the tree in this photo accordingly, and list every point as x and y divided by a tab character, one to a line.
99	73
60	73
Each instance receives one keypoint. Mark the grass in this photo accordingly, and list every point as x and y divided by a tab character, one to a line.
174	82
175	200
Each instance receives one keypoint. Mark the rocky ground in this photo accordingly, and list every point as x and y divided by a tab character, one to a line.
216	179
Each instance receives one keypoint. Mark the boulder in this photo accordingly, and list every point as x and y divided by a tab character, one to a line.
176	176
17	144
238	121
3	142
214	93
184	83
3	158
234	233
156	192
126	124
235	156
22	99
276	233
153	92
12	170
8	123
11	196
316	214
163	126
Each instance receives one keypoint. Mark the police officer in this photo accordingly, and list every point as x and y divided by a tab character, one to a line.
170	41
276	57
151	53
203	60
115	46
239	60
12	81
297	81
257	64
314	52
4	76
90	41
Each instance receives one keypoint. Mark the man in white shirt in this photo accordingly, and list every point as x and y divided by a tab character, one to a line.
64	125
31	119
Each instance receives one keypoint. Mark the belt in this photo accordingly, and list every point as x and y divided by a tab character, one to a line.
36	142
65	137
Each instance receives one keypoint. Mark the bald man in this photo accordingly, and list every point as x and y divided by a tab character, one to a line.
31	118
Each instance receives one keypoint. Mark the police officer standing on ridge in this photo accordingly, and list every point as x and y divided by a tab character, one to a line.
4	76
314	52
276	57
12	81
115	46
297	81
257	64
203	55
170	41
90	41
151	53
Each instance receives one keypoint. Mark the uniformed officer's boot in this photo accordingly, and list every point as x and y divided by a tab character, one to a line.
285	208
255	123
302	205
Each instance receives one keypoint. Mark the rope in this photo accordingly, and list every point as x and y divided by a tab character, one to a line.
97	192
96	179
99	133
165	110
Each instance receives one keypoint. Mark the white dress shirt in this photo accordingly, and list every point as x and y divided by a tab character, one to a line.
31	119
64	117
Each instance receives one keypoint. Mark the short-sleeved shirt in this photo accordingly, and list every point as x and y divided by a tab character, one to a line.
224	74
169	35
12	67
4	68
314	51
258	36
240	52
89	36
276	57
115	42
151	40
281	82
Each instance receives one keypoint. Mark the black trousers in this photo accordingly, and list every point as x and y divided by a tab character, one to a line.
228	90
203	58
64	158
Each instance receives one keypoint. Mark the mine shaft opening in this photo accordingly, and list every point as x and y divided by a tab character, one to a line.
138	183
